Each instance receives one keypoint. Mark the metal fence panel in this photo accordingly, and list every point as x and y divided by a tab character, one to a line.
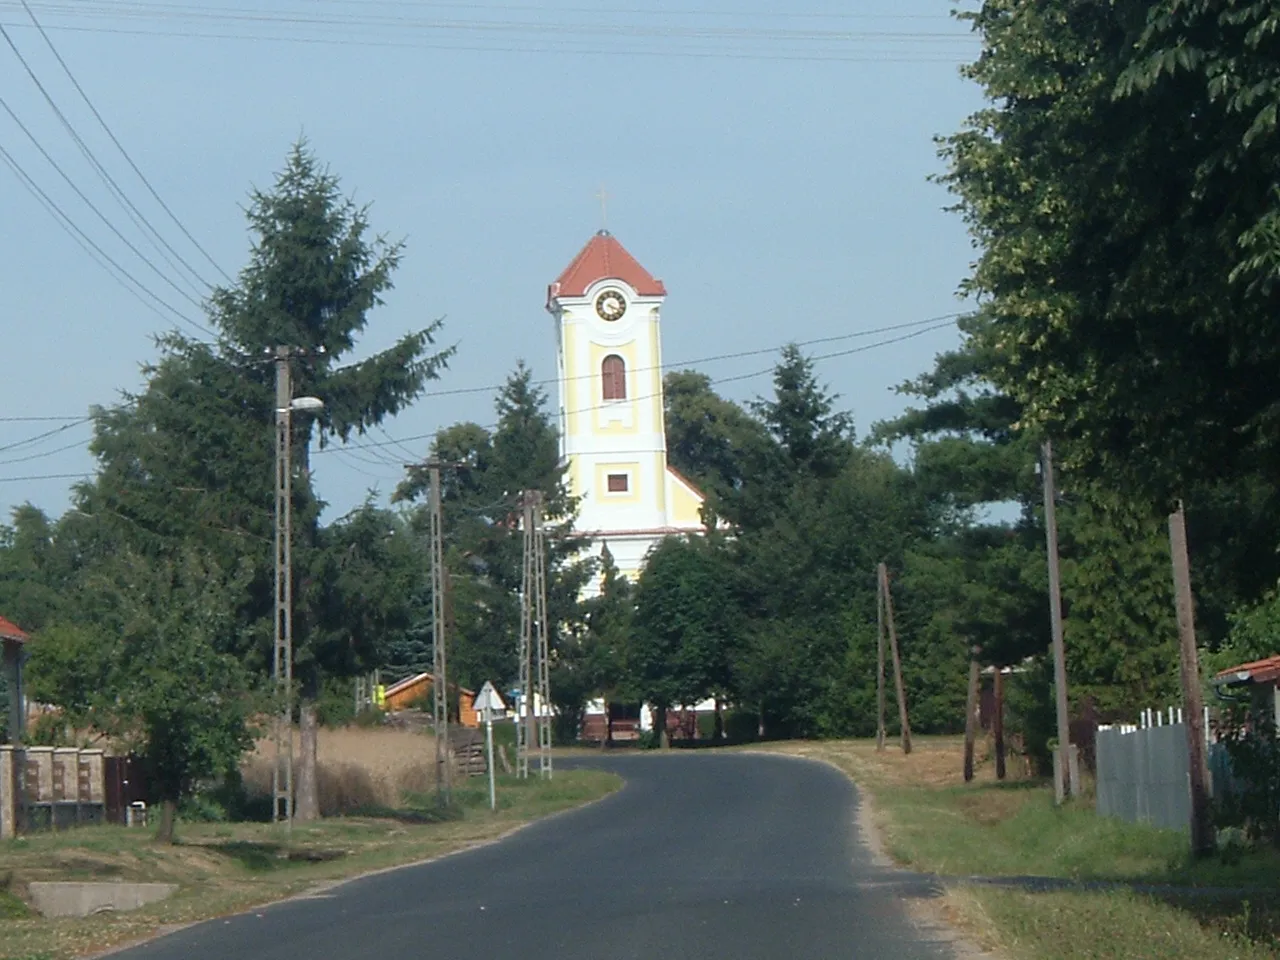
1144	776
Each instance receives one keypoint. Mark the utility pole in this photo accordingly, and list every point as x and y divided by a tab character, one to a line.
282	661
1066	783
1202	837
439	660
533	729
903	721
997	721
879	662
971	713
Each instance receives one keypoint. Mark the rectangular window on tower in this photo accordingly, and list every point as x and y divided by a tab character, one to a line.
618	483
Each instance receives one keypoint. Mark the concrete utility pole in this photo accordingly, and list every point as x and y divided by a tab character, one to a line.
439	656
282	664
903	720
533	729
1202	836
1066	783
282	797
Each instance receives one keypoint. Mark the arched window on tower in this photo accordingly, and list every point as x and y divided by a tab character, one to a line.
614	372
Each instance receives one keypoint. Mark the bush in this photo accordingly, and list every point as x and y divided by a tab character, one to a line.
1249	799
1032	716
741	725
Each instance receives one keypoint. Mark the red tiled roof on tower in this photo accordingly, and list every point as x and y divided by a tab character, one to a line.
10	631
604	258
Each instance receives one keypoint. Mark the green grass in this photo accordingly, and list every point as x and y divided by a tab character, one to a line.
221	868
1121	925
930	820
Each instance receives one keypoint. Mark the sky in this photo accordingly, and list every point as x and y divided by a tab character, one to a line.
772	168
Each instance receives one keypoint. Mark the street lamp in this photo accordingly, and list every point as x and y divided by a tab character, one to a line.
282	666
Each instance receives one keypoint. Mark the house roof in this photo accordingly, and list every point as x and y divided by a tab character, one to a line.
1266	670
421	679
11	631
604	258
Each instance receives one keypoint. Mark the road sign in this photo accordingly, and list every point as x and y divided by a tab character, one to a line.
488	702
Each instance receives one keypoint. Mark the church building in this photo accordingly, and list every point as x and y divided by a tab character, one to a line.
607	310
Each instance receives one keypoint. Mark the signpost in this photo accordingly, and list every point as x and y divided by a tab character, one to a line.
488	704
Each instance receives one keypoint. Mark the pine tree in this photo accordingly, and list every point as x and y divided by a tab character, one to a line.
189	460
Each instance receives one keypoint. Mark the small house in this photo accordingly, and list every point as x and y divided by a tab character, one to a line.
1261	678
416	690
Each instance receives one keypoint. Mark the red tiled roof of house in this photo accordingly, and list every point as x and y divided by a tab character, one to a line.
1266	670
11	631
604	258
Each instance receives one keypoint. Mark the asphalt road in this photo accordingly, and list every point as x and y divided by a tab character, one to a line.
699	856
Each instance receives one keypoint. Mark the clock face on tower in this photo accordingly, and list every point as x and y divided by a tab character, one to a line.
611	305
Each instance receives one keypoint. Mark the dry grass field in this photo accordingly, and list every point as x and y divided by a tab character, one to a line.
358	768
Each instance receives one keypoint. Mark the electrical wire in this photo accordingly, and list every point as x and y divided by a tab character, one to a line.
718	380
143	293
47	476
120	146
131	210
92	206
532	35
78	445
550	381
41	436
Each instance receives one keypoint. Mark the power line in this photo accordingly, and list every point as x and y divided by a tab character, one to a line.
143	293
101	216
546	382
41	436
38	419
47	476
718	380
123	152
137	216
533	36
78	445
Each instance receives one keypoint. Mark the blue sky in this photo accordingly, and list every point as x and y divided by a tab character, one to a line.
771	167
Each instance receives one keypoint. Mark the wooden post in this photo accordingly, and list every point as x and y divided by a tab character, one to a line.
971	715
879	661
897	661
1202	838
997	721
1066	786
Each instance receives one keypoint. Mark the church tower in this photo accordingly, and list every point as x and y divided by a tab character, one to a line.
607	310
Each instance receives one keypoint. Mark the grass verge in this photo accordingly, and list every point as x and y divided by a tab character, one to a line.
929	819
222	868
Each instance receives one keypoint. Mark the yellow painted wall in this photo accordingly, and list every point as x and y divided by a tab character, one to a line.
685	507
593	397
634	482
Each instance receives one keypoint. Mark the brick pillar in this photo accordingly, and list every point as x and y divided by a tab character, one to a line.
9	791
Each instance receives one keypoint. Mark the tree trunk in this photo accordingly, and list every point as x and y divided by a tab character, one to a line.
308	796
718	732
997	723
168	814
971	716
608	728
760	725
660	727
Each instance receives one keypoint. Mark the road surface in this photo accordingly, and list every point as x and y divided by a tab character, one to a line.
700	856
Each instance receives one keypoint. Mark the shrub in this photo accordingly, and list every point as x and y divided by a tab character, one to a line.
1249	798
